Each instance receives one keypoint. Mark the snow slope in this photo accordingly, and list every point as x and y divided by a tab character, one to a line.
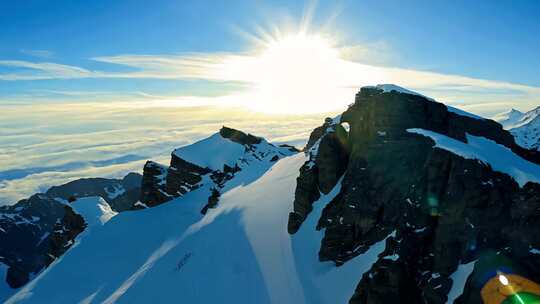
239	252
222	150
528	134
499	157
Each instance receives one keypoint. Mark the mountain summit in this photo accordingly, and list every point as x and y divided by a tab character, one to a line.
445	190
524	126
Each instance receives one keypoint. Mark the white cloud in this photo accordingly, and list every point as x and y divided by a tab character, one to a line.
43	70
342	77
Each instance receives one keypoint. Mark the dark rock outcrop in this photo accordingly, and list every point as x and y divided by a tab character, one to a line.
183	176
318	132
332	158
64	234
328	150
153	191
307	192
239	136
212	200
26	227
35	231
444	210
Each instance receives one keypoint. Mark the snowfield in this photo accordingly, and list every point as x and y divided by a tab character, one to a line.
222	150
239	252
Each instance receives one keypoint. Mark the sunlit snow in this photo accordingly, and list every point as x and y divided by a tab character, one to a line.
499	157
239	252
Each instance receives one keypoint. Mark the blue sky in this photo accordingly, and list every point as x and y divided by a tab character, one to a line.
124	71
488	40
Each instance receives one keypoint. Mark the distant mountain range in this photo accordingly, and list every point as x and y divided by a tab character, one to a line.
400	199
524	126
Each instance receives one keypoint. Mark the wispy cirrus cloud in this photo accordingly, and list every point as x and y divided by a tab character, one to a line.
38	53
27	70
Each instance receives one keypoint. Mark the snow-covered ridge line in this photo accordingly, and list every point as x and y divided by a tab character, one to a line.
513	118
463	113
216	151
499	157
388	88
223	151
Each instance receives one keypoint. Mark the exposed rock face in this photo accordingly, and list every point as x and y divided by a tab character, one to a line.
387	283
120	194
212	200
161	184
64	234
307	192
436	209
26	227
153	191
35	232
183	176
239	136
332	158
328	151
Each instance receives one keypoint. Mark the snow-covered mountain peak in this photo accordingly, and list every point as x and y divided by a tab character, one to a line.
509	119
228	147
214	160
524	126
213	152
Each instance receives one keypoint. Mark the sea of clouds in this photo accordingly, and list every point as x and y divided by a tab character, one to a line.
42	145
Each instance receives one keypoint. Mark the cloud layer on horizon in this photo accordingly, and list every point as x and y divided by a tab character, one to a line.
110	140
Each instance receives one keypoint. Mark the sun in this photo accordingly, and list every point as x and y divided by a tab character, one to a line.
294	73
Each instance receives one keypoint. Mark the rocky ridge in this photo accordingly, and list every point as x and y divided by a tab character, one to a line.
213	160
